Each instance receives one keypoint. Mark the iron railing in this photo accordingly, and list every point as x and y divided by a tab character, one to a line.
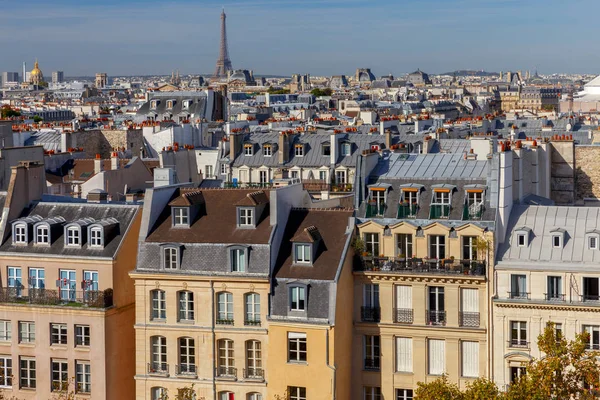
375	210
518	295
372	364
341	187
554	297
406	210
370	314
252	321
403	315
158	368
436	317
518	343
420	266
186	369
474	212
67	297
224	321
227	372
316	185
466	318
590	298
437	211
258	185
254	373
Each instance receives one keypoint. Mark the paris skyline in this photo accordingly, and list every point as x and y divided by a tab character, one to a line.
284	37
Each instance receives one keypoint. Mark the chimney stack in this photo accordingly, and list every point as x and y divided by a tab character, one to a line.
284	147
98	167
114	160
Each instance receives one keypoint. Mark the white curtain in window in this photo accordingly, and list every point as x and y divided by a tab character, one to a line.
404	358
470	359
404	297
470	300
437	357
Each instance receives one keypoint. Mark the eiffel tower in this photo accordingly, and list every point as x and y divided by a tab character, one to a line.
223	63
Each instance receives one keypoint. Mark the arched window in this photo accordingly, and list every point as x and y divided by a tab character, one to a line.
254	369
226	360
73	236
20	233
158	347
96	237
225	310
254	396
226	396
42	234
252	303
187	356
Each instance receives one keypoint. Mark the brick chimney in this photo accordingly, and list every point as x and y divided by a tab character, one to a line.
114	160
98	166
284	147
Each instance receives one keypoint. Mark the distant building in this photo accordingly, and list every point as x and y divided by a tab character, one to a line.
364	75
338	81
299	83
240	78
58	76
36	76
181	106
101	80
9	77
418	78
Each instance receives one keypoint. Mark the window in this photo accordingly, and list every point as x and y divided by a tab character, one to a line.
441	197
593	242
518	286
252	309
20	236
437	247
60	375
187	356
37	278
346	149
225	312
254	359
96	237
372	393
238	260
208	171
82	335
469	248
248	150
158	347
42	235
323	175
302	253
593	342
263	177
267	150
436	313
404	354
26	332
371	295
326	150
159	306
340	177
14	279
372	244
405	245
5	331
410	196
437	356
83	377
516	372
404	310
299	150
27	373
557	241
181	216
521	240
67	284
469	307
554	288
254	396
186	305
590	289
297	298
223	169
158	393
372	345
171	258
226	357
246	217
226	396
296	347
5	371
73	237
470	359
58	334
518	334
404	394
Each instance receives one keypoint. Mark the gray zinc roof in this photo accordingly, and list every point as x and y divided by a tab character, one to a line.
430	166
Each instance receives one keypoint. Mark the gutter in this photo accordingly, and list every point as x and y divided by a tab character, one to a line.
214	343
332	367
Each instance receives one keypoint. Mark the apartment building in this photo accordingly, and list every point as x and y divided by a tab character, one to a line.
547	271
310	323
425	234
66	301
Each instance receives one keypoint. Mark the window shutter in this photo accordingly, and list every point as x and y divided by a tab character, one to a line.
404	297
470	359
404	361
437	358
470	300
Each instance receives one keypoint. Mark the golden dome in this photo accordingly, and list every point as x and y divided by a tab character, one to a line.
36	70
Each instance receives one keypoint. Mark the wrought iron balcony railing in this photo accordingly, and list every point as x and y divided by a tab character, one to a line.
370	314
186	369
436	317
254	373
403	315
60	297
421	266
158	368
227	372
372	364
470	319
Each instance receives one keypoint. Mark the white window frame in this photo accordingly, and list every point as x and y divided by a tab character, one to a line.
27	373
58	335
404	394
26	332
299	150
298	298
42	235
83	377
469	355
246	216
20	234
521	326
594	342
372	393
263	176
521	240
254	354
6	375
371	240
187	353
37	278
302	253
158	301
268	150
252	304
557	241
593	242
441	198
60	367
225	306
82	335
248	150
297	348
96	239
185	303
5	331
171	258
238	259
158	348
73	236
181	216
372	349
346	149
158	393
435	241
297	393
226	353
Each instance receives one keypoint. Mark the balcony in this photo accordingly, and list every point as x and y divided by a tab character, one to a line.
250	185
555	297
473	212
590	298
251	321
515	295
186	370
61	297
257	374
227	372
439	211
316	185
341	187
406	210
372	364
403	315
436	317
370	314
518	343
224	321
421	266
375	210
468	319
158	368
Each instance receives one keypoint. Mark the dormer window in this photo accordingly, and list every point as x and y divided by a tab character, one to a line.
154	104
181	216
20	234
170	103
248	151
409	202
302	253
299	150
474	204
246	216
297	298
96	237
73	236
522	236
186	104
377	200
42	234
440	202
326	149
556	241
558	236
346	149
170	257
593	242
267	150
238	258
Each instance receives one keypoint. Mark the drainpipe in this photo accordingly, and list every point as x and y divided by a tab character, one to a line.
214	343
332	367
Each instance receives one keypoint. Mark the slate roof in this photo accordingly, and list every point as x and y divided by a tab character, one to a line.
430	166
331	225
543	220
49	139
198	106
71	212
217	223
188	197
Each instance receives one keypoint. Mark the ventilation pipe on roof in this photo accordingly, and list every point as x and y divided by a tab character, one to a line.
98	166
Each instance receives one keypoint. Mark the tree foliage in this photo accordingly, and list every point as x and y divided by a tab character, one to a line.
8	112
567	370
321	92
273	90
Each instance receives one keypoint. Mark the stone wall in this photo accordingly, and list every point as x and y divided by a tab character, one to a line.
103	142
587	173
562	169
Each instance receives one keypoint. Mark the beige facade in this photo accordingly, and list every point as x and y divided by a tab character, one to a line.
417	339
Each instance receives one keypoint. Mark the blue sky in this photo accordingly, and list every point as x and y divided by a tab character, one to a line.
326	37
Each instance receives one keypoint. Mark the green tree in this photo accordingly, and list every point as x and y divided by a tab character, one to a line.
37	118
440	389
8	112
317	92
273	90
